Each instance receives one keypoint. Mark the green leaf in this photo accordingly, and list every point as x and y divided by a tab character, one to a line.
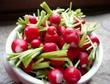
11	55
68	20
54	54
58	10
25	57
19	35
78	13
65	46
70	7
93	52
89	27
41	29
39	60
41	65
45	6
43	13
41	73
76	65
64	59
83	40
23	21
38	13
28	58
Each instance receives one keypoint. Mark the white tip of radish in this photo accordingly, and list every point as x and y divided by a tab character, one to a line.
18	49
59	78
84	65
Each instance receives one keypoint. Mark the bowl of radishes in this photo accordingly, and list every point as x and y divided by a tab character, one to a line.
54	47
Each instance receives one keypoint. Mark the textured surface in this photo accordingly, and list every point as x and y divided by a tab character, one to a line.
101	77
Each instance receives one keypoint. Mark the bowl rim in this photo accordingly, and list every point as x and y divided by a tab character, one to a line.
25	76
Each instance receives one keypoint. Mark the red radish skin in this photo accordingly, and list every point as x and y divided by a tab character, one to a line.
70	83
60	30
19	45
32	19
83	71
83	59
35	43
51	38
78	31
60	68
51	35
61	42
68	31
42	36
57	63
94	39
55	76
70	35
31	32
51	30
29	67
55	19
73	53
49	47
72	75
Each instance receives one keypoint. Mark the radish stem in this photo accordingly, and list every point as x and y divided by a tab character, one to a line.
41	65
43	13
45	6
76	65
53	54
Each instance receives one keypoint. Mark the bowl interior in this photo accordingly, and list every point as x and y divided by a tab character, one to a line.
26	77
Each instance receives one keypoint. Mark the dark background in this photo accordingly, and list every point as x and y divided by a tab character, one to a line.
11	9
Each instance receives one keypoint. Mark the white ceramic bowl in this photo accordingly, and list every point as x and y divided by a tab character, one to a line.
20	76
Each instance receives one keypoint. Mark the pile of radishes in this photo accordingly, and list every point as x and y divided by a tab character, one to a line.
56	45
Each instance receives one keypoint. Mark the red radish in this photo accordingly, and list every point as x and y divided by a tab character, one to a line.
94	39
73	45
55	76
32	19
19	45
72	75
83	59
83	71
73	53
35	43
51	38
61	42
78	31
60	68
28	68
49	47
85	46
51	30
39	38
70	83
60	30
68	31
42	35
55	19
70	35
31	32
57	63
